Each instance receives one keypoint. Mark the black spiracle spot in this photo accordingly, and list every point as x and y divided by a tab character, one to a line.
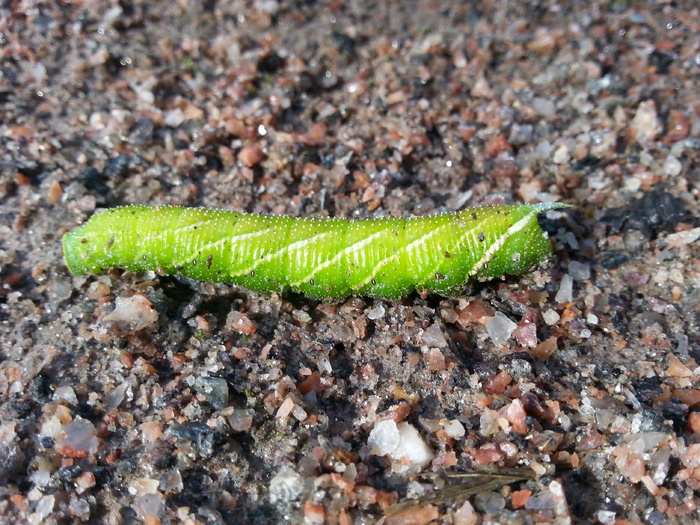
439	277
481	236
194	262
448	255
252	273
374	282
312	282
210	259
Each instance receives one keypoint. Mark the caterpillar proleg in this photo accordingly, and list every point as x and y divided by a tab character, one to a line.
321	258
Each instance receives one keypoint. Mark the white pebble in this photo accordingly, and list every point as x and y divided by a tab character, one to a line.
453	428
142	486
646	122
543	149
131	314
561	155
286	486
499	328
301	316
67	394
384	438
413	453
324	365
551	317
606	517
376	312
672	166
174	118
403	444
566	290
45	507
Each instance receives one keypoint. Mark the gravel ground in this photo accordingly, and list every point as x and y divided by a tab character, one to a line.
568	395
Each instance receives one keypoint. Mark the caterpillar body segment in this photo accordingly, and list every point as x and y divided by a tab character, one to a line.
321	258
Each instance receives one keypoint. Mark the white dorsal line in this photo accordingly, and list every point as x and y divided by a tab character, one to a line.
199	222
287	249
500	241
209	217
161	235
186	227
392	257
221	241
455	249
352	248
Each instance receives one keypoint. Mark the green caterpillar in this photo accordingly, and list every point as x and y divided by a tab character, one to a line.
321	258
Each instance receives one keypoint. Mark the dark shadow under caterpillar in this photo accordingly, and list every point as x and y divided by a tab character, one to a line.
321	258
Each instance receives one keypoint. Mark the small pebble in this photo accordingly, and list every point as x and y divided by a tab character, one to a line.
672	166
79	439
241	420
500	328
551	317
645	124
130	315
251	156
561	155
402	443
544	107
240	323
376	312
433	336
67	394
466	515
214	389
566	290
286	486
